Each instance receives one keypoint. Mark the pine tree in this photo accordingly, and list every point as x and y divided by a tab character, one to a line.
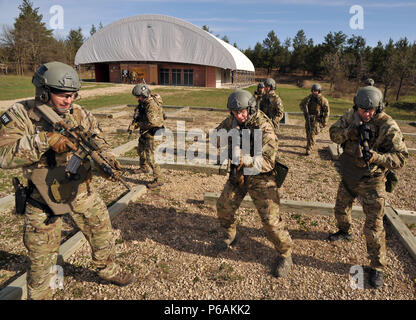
74	41
29	39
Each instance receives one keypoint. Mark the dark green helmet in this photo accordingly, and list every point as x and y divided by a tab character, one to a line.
141	89
241	99
369	98
260	85
369	82
55	76
269	82
316	87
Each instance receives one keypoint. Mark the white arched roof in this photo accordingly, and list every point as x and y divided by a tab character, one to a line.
160	38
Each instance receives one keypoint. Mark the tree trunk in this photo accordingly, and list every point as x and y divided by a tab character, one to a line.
400	87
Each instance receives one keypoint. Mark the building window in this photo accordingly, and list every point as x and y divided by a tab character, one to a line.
164	76
176	77
188	77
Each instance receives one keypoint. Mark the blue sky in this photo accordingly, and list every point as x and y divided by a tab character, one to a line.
242	21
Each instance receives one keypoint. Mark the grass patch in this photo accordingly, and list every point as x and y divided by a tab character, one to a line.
16	87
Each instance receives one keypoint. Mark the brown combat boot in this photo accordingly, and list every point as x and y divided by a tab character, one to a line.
283	266
143	169
122	278
156	183
227	240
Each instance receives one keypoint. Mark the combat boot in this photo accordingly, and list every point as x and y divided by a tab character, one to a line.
283	266
143	169
308	151
156	183
228	240
122	278
376	278
340	235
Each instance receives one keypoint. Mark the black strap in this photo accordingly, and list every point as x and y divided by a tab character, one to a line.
352	194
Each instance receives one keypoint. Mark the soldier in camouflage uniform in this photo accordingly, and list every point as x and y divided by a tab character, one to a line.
259	94
261	186
28	141
373	146
369	82
149	117
315	109
271	104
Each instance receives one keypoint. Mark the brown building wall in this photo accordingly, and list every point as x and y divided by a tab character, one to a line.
203	76
211	79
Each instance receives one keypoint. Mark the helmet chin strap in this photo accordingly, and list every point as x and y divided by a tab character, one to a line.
57	109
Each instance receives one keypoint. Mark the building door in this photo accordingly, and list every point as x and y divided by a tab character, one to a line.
188	77
102	72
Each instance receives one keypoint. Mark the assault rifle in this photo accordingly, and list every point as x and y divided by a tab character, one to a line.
308	119
86	146
364	138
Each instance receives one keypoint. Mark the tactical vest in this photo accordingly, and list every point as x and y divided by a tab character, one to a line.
49	174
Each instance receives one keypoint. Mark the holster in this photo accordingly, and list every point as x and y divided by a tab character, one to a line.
280	171
391	181
22	197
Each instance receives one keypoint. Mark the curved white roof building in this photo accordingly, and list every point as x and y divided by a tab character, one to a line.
164	50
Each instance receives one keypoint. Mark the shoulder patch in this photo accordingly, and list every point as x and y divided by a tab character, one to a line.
5	119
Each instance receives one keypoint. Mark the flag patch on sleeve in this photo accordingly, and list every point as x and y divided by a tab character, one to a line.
5	119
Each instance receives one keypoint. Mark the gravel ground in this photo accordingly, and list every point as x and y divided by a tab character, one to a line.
166	237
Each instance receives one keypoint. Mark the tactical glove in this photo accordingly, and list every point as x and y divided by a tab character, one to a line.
59	143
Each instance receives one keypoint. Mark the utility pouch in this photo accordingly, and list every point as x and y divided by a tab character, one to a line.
236	177
280	172
391	181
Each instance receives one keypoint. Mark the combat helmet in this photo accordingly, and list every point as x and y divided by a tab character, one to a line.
269	82
369	98
240	100
260	85
369	82
141	89
316	87
54	77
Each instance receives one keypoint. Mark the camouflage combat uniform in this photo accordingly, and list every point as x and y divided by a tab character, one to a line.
261	187
389	150
272	106
259	97
149	118
24	143
317	110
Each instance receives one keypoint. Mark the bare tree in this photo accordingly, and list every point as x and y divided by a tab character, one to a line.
333	65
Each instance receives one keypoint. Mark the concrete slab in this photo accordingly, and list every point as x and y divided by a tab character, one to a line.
125	147
186	119
402	231
174	113
203	168
306	207
335	150
7	202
